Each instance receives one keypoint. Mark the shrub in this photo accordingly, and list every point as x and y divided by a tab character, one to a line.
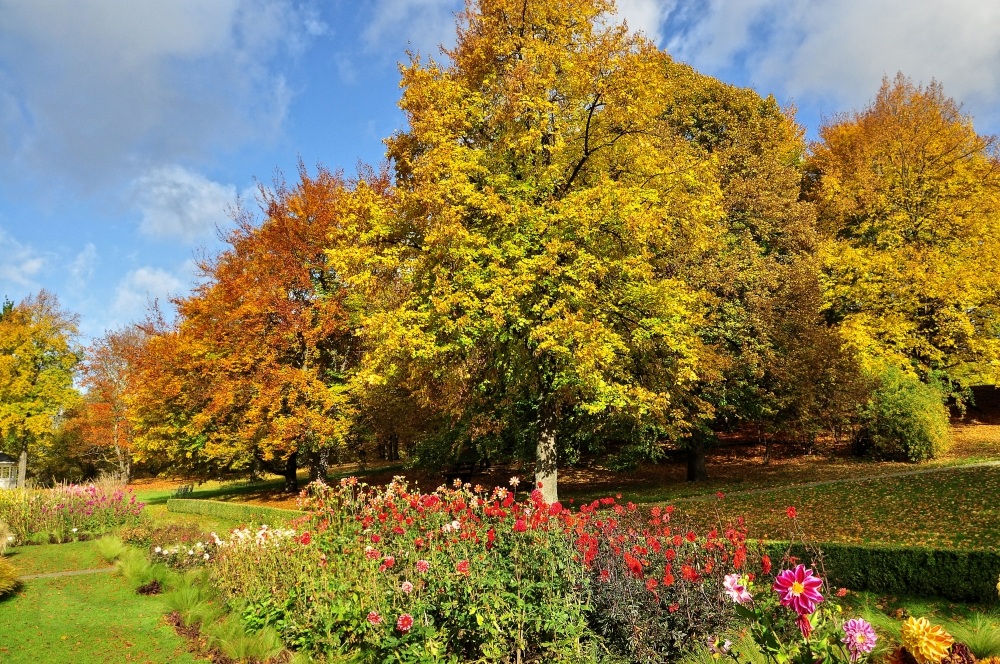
904	420
238	512
965	576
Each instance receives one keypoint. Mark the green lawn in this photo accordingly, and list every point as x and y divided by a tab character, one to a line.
87	619
958	507
55	558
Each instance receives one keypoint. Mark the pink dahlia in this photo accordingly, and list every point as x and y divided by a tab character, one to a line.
423	566
798	589
736	590
859	637
406	587
404	623
374	618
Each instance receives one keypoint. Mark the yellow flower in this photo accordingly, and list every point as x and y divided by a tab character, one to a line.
926	642
998	585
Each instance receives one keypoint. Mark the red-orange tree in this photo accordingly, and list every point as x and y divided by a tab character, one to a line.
254	373
106	374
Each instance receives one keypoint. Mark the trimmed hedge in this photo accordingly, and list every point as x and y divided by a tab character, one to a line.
964	576
240	512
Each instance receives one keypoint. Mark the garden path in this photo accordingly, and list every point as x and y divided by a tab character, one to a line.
73	572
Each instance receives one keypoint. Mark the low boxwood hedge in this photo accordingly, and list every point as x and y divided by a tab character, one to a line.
240	512
964	576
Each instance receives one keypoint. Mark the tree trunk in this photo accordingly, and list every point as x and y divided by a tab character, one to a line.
291	479
22	468
697	470
319	465
546	471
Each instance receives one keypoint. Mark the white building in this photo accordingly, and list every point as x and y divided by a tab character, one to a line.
8	471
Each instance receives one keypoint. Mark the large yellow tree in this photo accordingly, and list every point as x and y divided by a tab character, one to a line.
545	222
908	196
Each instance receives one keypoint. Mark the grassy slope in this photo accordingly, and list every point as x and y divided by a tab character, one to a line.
954	508
89	619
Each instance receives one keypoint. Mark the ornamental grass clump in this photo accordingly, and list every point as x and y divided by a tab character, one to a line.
8	577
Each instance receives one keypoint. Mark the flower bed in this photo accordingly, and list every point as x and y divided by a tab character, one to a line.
67	512
466	574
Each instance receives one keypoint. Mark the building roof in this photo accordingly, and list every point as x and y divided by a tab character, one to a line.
6	458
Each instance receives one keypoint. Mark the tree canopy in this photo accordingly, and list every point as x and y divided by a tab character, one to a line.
579	245
38	354
908	197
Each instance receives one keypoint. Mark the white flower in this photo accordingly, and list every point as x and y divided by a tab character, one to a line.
446	528
206	556
514	481
157	550
74	530
455	525
190	552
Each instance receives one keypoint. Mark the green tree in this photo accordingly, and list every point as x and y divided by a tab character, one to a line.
545	218
784	370
909	207
38	354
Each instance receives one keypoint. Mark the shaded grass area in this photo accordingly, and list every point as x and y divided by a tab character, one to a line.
84	619
742	468
268	491
48	558
958	508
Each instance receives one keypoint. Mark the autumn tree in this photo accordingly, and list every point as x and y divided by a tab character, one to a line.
107	375
38	354
254	374
545	219
909	206
785	370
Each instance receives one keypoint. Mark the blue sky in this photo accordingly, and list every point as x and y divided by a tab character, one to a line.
127	127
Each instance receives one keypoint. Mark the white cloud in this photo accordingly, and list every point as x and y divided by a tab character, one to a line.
178	203
424	25
20	265
646	16
91	89
417	25
141	287
82	267
836	52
